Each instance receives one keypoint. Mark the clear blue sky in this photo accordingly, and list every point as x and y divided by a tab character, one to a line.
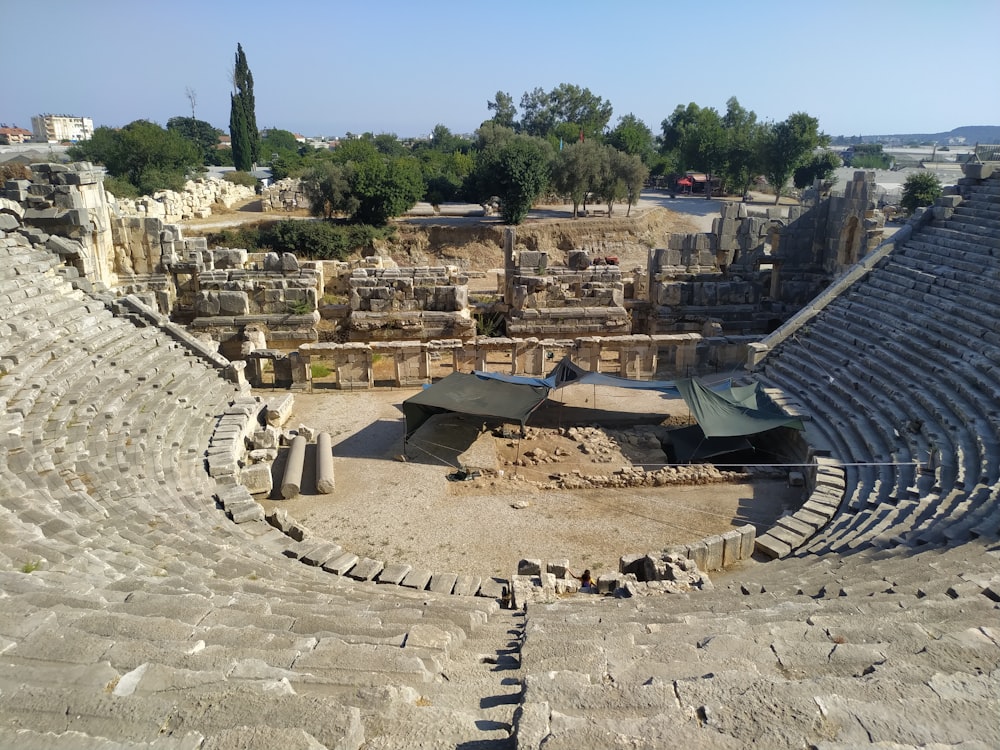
326	68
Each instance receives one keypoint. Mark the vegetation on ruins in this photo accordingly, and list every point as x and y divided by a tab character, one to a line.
920	189
317	240
245	137
240	178
140	158
14	171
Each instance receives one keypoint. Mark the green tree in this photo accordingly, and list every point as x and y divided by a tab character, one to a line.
577	170
633	136
280	150
741	162
785	145
385	187
204	134
631	173
503	109
517	171
566	103
819	167
144	154
696	137
920	189
243	116
328	189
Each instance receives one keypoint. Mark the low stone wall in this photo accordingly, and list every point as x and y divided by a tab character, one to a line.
194	202
284	195
638	357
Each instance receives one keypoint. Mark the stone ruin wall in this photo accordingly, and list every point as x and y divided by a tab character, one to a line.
752	272
415	363
196	201
283	195
709	284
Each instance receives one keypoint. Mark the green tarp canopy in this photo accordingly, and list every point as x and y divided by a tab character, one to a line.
735	411
469	394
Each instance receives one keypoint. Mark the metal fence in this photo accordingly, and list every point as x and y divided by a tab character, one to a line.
988	152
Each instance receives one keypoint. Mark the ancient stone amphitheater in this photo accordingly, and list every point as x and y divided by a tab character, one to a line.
135	614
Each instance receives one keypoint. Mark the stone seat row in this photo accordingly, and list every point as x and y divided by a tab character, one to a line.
598	672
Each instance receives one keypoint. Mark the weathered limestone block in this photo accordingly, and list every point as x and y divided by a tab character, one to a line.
257	479
279	409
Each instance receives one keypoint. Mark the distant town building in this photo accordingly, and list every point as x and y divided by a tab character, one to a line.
10	135
58	128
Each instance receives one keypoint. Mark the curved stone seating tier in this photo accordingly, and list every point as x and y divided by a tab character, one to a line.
903	368
813	652
136	613
134	610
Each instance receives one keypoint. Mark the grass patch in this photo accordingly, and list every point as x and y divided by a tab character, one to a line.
30	567
320	371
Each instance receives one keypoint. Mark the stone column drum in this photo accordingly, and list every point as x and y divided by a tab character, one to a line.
324	463
291	483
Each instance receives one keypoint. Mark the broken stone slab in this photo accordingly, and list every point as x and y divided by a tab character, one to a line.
467	585
443	583
492	588
279	410
246	512
771	546
257	479
320	553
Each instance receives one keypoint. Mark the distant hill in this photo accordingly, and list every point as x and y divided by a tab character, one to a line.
972	134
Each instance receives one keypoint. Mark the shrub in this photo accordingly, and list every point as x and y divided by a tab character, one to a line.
241	178
315	240
120	187
920	189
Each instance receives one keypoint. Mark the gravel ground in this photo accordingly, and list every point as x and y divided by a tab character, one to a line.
408	511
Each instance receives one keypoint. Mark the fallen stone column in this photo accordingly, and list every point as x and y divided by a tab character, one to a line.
291	483
324	463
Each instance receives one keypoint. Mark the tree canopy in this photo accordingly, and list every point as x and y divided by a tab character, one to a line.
503	109
143	154
369	186
515	169
244	136
567	105
785	145
202	133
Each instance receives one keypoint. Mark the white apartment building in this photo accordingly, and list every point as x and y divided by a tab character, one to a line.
58	128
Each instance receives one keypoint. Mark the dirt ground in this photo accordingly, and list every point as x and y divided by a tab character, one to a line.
397	506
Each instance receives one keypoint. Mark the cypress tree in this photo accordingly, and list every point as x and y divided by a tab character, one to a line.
243	131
